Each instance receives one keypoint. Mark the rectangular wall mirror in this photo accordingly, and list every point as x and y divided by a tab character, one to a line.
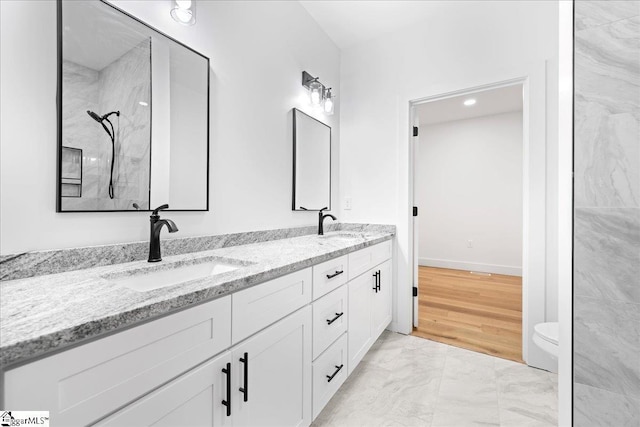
311	163
133	114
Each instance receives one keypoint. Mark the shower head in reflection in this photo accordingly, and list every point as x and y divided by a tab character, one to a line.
100	119
112	135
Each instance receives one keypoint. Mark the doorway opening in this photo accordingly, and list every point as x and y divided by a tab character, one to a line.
469	187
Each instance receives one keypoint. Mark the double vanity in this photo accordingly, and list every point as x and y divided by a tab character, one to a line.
251	334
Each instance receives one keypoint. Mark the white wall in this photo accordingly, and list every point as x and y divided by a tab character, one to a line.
461	45
258	51
469	187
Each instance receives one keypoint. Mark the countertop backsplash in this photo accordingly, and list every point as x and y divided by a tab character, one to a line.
31	264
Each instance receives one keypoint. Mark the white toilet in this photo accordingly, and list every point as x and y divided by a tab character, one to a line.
545	336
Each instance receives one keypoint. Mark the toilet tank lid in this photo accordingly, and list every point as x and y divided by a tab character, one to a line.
548	331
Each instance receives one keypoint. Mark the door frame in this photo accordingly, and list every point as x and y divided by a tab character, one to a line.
533	80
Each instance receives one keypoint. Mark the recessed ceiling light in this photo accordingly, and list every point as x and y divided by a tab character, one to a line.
469	102
144	104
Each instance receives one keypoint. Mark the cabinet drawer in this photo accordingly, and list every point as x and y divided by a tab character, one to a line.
83	384
261	305
381	252
329	319
367	258
329	275
329	372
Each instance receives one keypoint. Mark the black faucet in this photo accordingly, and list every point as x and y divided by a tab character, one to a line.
156	226
321	218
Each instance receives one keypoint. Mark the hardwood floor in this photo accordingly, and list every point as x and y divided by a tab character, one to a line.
473	311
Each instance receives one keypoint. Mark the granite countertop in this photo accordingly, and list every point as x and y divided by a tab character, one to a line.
42	314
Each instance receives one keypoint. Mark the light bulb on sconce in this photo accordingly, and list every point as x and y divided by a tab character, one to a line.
184	12
328	102
315	93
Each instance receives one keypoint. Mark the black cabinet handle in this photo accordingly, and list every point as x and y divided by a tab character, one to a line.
245	389
375	287
379	280
338	315
227	402
337	273
330	377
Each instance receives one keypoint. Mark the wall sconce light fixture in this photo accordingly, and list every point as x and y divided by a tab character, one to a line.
184	12
319	96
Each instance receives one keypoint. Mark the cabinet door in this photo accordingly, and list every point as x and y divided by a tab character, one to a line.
381	311
193	399
361	290
274	370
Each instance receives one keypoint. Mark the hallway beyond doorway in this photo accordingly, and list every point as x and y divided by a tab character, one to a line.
478	312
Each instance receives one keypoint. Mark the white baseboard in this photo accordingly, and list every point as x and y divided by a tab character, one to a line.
471	266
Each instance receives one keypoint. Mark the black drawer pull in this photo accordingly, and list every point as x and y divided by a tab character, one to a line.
245	389
376	286
330	377
337	273
338	315
227	402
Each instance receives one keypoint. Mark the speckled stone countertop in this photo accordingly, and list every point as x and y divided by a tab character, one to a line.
42	314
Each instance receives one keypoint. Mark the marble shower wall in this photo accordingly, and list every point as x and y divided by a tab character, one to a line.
123	85
606	323
120	86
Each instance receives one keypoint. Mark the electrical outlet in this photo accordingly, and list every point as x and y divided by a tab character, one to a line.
469	243
347	203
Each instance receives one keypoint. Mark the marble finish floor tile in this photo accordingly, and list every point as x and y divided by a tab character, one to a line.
410	381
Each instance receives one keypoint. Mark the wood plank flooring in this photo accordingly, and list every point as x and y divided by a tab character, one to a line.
473	311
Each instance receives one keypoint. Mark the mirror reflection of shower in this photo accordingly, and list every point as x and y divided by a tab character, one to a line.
112	135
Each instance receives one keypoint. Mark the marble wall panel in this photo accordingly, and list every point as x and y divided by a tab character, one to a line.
607	254
607	115
123	85
600	408
606	305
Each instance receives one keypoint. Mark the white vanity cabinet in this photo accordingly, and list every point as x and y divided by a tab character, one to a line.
270	355
266	380
263	381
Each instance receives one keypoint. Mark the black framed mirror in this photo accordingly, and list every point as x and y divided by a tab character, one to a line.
133	111
311	163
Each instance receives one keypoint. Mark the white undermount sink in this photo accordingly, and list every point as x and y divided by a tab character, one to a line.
145	280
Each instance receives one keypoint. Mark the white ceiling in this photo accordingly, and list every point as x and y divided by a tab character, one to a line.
351	22
488	102
95	34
